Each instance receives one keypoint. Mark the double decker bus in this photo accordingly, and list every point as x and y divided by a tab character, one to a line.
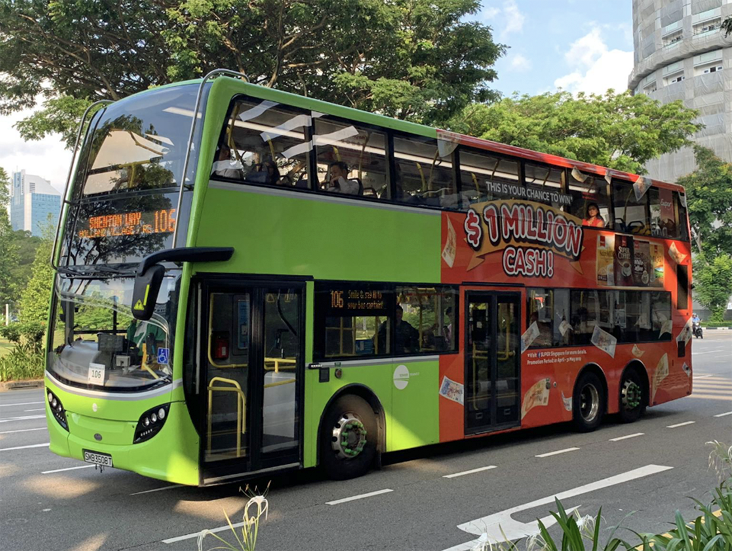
250	281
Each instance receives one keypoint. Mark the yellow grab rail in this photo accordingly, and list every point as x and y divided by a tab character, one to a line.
241	409
287	363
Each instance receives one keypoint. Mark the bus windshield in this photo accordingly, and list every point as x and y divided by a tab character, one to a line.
97	343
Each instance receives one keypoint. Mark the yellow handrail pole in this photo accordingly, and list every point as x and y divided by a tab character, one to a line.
240	409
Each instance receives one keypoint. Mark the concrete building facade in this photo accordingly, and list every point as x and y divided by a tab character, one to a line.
681	54
32	200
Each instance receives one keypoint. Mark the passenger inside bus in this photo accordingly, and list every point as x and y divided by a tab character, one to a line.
593	217
339	181
223	165
406	338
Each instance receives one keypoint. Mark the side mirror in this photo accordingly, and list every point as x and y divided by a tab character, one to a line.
145	292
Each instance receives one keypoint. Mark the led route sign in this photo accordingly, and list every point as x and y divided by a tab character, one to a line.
129	223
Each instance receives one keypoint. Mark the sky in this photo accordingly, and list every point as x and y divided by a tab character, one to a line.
573	45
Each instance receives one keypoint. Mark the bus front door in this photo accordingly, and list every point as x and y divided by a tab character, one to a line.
253	358
492	361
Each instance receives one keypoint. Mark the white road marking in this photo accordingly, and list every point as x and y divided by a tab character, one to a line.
240	524
39	409
500	526
629	436
22	430
724	414
556	452
702	377
68	469
680	424
158	489
708	352
23	418
25	447
21	404
361	496
455	475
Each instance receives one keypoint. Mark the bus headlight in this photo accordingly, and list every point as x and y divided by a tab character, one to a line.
57	408
150	423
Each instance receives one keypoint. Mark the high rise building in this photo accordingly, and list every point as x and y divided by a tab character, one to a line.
32	200
681	54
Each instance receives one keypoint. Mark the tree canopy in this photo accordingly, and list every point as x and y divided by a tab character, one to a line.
8	247
619	131
709	199
419	60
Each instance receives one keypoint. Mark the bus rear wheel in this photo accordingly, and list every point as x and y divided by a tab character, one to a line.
632	398
588	403
348	438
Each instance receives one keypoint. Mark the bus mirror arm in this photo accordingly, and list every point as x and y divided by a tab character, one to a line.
150	274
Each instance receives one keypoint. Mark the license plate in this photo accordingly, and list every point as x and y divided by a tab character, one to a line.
97	458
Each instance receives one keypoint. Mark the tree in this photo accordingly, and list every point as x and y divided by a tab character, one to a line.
619	131
419	60
36	297
713	283
8	248
709	200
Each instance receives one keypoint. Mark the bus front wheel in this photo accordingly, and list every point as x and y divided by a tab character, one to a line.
348	438
588	402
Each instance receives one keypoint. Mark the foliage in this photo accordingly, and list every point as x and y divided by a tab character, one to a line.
36	297
26	247
8	247
25	359
713	283
258	506
619	131
709	200
420	60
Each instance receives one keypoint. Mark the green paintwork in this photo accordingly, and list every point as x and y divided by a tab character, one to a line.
319	237
171	455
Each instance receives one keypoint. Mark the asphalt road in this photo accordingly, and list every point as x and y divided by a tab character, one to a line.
639	474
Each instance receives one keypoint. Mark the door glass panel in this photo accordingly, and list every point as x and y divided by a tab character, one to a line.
281	356
479	365
507	361
227	357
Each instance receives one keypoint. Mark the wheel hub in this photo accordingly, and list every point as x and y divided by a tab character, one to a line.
589	403
631	395
349	436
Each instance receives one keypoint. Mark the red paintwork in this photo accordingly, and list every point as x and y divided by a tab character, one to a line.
579	274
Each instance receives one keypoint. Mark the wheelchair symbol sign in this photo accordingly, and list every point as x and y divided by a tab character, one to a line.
163	355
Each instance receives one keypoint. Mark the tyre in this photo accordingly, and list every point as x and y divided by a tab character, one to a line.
633	399
588	402
348	438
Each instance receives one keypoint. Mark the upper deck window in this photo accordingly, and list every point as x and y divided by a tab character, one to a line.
351	159
265	143
587	190
631	213
422	176
486	177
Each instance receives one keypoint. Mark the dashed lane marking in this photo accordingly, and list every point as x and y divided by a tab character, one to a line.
455	475
556	452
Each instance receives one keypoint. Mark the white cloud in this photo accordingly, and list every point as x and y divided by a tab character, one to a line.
518	63
594	67
514	18
508	18
46	158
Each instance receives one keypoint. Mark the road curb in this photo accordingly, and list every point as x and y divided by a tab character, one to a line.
21	385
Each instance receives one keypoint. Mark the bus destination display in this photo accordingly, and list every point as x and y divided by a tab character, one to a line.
129	223
360	300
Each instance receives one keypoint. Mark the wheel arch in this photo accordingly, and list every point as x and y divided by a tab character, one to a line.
640	368
370	397
597	370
